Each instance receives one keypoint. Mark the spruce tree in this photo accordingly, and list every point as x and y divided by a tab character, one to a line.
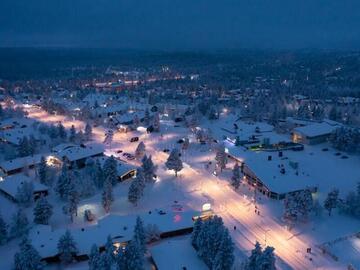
224	259
88	132
139	235
110	249
196	231
24	147
73	199
136	187
174	162
98	175
94	258
3	231
28	257
221	158
43	211
134	257
43	172
156	122
236	177
72	136
267	259
140	151
331	200
19	224
107	196
67	248
63	182
61	131
148	169
256	253
25	194
110	170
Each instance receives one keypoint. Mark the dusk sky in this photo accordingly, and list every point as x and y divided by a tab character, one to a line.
181	24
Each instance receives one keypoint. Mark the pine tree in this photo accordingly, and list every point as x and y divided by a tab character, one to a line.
224	259
156	122
72	136
28	258
63	182
267	259
32	145
73	199
110	170
19	224
67	248
88	132
147	117
256	253
196	231
98	175
24	147
105	262
43	172
107	196
43	211
94	258
174	162
221	158
236	177
25	194
3	231
140	151
331	200
134	259
136	187
61	131
110	249
148	169
139	235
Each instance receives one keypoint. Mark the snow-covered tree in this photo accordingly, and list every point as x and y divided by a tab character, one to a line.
43	172
221	157
139	235
267	259
147	117
88	132
156	122
110	170
43	211
72	136
98	175
224	259
109	137
25	194
186	144
63	182
255	257
73	199
19	224
94	258
236	177
3	231
61	131
28	257
132	259
136	188
331	200
174	162
67	248
297	206
196	231
107	197
148	169
140	151
24	147
110	250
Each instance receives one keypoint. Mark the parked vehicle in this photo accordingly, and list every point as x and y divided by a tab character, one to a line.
134	139
88	215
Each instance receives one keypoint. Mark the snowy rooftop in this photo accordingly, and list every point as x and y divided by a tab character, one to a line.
14	135
176	254
80	152
19	163
10	184
119	227
63	146
315	130
316	168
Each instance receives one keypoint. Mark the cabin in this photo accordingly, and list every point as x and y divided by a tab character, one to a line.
125	171
76	156
10	185
18	165
313	134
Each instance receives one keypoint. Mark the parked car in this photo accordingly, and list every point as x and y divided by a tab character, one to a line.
134	139
166	150
180	141
119	151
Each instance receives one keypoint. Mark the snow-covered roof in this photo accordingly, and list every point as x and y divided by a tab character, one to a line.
21	162
15	135
62	147
316	168
10	184
176	254
80	152
119	227
314	130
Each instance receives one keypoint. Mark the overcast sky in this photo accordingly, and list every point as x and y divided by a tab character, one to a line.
181	24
